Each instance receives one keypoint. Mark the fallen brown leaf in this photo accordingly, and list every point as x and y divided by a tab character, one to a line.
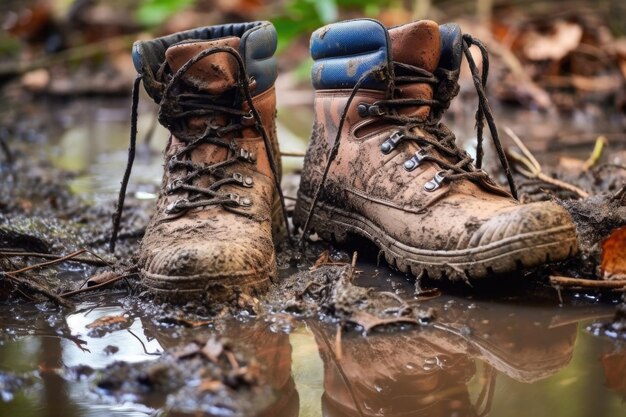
614	255
564	38
107	321
210	385
369	321
102	278
212	349
324	258
186	351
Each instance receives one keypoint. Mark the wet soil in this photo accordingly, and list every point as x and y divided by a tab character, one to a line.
330	338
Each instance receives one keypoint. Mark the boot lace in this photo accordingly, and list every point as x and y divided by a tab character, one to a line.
175	109
455	162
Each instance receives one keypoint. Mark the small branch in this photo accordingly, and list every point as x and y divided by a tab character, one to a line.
619	194
587	283
36	288
53	262
596	154
533	168
95	262
293	154
338	345
95	287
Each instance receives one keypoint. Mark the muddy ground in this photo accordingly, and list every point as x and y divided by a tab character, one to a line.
229	358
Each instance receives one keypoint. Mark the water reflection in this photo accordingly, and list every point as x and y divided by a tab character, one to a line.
427	373
469	363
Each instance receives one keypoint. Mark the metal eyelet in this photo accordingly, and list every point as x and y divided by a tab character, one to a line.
436	182
245	181
252	83
248	119
391	143
366	109
174	207
173	186
237	200
171	165
415	160
246	155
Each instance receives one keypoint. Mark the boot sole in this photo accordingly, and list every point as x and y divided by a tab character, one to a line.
507	255
214	287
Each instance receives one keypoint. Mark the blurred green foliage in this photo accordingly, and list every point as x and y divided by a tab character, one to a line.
304	16
154	12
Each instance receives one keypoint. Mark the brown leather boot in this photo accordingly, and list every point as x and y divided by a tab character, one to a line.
381	165
220	201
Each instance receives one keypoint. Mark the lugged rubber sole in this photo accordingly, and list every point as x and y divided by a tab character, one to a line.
214	287
507	255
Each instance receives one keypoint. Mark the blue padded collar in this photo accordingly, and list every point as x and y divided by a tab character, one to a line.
257	48
342	52
451	46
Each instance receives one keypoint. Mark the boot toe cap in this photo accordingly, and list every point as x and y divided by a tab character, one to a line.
536	224
192	266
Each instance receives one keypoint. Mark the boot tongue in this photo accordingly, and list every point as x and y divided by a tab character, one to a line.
213	74
417	44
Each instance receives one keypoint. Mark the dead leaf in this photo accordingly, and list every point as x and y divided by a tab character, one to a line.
614	370
107	321
369	321
324	258
251	373
185	322
210	385
614	255
554	46
249	303
186	351
101	278
212	349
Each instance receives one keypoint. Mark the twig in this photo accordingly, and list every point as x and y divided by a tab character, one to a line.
157	353
596	154
587	283
533	168
94	262
338	345
53	262
97	286
619	194
293	154
36	288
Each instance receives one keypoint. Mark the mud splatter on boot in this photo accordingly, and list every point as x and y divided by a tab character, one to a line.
380	163
212	231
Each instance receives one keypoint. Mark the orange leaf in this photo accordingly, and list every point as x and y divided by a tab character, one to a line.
614	255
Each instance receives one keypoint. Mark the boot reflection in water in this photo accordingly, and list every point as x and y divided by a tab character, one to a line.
426	373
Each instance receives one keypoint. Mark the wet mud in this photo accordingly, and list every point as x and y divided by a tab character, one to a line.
331	337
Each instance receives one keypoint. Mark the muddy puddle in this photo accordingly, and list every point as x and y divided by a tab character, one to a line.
504	355
513	349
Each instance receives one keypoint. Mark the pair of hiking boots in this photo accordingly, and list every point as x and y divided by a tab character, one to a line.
380	164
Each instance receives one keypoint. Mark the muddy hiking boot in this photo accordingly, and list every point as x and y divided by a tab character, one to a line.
219	209
381	165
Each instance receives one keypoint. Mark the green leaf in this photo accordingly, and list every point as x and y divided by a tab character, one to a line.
155	12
